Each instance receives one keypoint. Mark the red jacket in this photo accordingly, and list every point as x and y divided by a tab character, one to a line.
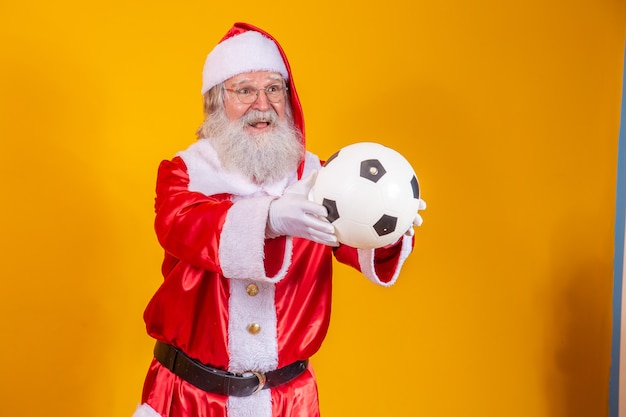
211	225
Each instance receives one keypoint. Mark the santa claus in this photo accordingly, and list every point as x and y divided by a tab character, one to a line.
247	268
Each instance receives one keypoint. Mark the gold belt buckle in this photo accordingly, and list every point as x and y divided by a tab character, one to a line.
262	380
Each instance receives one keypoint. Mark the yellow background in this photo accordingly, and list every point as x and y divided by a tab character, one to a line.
509	112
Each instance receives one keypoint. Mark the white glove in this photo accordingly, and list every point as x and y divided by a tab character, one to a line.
417	221
293	214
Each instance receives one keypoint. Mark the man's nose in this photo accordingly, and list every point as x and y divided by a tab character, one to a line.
261	102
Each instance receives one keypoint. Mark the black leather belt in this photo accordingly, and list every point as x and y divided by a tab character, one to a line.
223	382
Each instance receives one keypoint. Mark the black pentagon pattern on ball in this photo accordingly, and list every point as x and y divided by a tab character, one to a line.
385	225
416	187
331	206
372	169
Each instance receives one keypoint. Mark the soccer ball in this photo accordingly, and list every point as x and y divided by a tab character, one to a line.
371	193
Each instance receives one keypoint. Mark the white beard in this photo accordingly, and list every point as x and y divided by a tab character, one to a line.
264	158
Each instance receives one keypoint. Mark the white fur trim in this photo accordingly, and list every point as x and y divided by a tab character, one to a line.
144	410
242	241
257	405
311	163
366	262
208	176
258	352
247	52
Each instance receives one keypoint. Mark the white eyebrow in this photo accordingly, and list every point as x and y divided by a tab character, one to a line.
272	77
242	81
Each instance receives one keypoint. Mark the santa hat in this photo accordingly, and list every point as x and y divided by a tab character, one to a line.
246	52
246	48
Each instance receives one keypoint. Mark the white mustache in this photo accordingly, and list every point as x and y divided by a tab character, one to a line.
258	116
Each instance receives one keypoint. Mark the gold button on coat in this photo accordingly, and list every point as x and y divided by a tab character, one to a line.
254	328
252	290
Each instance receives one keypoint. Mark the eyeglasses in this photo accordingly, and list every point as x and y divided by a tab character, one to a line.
249	95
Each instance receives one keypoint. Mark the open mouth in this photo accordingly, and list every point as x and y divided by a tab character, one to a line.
259	124
260	120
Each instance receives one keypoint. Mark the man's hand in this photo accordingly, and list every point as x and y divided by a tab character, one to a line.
293	214
417	221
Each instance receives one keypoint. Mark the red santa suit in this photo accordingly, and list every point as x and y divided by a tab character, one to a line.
233	299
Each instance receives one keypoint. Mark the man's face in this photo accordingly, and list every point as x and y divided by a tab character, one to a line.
254	81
